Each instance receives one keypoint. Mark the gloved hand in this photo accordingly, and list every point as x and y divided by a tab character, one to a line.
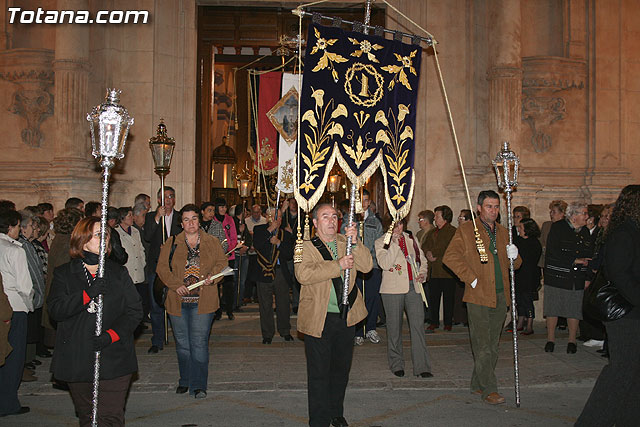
99	287
512	251
102	341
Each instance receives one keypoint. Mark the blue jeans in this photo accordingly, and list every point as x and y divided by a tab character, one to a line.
372	281
191	332
157	316
11	371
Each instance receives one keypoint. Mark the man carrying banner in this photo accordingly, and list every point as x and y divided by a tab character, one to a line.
329	338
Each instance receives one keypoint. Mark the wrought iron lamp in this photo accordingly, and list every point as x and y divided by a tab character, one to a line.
506	166
109	124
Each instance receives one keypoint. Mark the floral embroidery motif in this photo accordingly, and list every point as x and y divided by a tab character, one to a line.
328	58
398	70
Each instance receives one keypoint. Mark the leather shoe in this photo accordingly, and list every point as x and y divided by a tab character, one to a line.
399	373
339	422
44	354
426	375
231	316
572	348
478	392
153	349
288	337
549	346
527	332
494	399
266	340
30	365
27	376
447	328
199	394
22	410
36	362
181	389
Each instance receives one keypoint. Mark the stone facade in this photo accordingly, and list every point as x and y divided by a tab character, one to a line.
555	78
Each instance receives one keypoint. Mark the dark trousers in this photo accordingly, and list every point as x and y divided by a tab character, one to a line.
447	289
328	365
112	395
280	288
459	306
372	300
143	291
614	398
229	291
157	316
11	371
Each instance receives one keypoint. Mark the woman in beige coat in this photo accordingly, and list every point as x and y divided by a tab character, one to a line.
400	292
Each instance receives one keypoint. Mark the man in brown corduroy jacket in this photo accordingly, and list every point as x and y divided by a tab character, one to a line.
486	289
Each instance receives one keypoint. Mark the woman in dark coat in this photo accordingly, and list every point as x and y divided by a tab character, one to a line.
72	303
569	249
614	398
528	275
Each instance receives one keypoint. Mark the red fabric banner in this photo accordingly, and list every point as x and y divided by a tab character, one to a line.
269	95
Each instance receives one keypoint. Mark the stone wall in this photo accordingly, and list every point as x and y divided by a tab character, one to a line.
564	69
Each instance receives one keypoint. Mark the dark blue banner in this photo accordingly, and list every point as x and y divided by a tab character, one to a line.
358	107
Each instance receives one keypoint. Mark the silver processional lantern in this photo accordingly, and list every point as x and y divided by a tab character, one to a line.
506	166
110	122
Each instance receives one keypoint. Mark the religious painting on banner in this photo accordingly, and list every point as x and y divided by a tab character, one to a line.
265	146
284	116
358	107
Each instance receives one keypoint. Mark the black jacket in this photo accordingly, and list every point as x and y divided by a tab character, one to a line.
622	263
153	235
564	246
118	253
266	250
528	275
122	311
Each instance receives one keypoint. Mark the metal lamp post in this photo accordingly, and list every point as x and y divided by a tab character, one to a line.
162	152
506	166
110	121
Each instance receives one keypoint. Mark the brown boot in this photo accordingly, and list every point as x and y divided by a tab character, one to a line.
27	376
494	399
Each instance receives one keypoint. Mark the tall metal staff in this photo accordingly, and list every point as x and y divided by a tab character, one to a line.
162	152
506	166
111	122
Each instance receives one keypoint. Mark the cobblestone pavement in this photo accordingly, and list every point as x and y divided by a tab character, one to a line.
251	384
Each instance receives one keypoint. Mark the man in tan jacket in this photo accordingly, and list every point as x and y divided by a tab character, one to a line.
329	338
486	289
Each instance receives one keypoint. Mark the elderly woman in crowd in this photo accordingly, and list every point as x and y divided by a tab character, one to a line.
132	244
72	303
400	293
614	398
184	260
569	249
19	289
528	275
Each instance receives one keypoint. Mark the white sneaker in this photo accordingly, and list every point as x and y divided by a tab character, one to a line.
358	341
373	337
594	343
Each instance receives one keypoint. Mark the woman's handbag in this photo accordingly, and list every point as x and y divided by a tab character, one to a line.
603	301
159	288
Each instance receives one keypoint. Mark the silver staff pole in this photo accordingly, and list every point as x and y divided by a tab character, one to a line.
347	273
111	122
506	166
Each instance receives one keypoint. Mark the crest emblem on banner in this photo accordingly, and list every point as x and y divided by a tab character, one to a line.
358	107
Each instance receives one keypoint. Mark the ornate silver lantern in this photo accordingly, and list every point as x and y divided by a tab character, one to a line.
110	121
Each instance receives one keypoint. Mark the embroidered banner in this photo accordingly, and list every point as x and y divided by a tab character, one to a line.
358	107
266	155
287	117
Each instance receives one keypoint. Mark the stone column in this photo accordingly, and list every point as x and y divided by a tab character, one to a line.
504	74
71	68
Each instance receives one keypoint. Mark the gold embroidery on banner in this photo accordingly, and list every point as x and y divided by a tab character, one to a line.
396	140
368	76
398	70
328	58
361	153
322	129
361	118
287	174
365	47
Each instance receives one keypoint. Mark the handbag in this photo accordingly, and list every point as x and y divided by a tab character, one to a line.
160	290
603	301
